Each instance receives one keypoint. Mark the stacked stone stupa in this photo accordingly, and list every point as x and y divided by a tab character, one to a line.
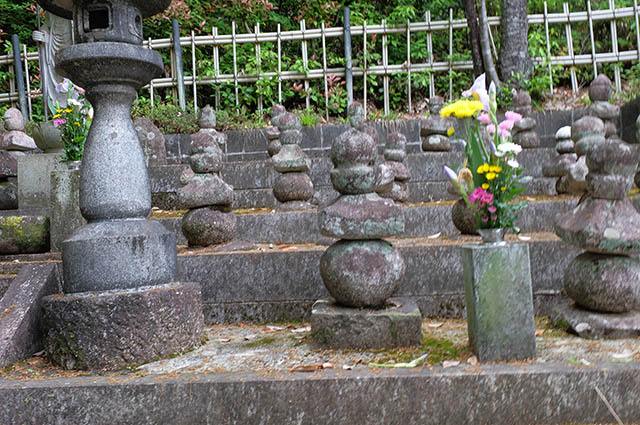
210	220
435	130
560	166
273	133
599	93
524	130
15	142
397	175
604	281
361	271
15	139
293	187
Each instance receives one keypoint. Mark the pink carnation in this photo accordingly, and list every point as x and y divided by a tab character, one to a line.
58	122
484	118
512	116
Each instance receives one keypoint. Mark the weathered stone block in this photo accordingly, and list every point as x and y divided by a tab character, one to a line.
336	327
24	234
65	206
34	179
497	283
113	329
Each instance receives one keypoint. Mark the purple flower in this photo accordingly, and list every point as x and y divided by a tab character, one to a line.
493	147
484	218
63	87
494	217
506	125
484	118
512	116
492	209
58	122
450	173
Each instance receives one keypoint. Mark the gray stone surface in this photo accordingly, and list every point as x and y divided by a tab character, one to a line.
293	186
34	179
8	165
206	226
398	324
64	211
24	234
497	280
361	273
114	329
152	141
20	311
499	394
593	325
9	194
118	254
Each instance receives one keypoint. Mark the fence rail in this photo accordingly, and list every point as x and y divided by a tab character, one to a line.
384	68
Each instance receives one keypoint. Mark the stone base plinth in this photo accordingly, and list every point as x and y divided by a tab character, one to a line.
114	329
118	254
335	326
65	206
34	175
497	283
593	325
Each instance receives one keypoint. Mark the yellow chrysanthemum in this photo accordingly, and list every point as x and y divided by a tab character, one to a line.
76	123
490	176
57	116
59	110
67	110
485	186
462	108
503	188
483	168
495	168
450	131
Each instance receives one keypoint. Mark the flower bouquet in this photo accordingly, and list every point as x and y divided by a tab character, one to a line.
73	121
490	178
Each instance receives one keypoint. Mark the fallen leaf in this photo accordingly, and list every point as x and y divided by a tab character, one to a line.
307	368
473	360
524	238
288	248
450	363
435	324
224	340
413	363
269	329
623	355
327	365
347	367
250	337
301	330
539	332
434	236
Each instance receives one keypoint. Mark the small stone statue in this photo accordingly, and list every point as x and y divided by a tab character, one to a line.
560	166
358	120
524	132
210	220
273	133
396	187
53	36
436	130
293	187
604	280
15	139
599	94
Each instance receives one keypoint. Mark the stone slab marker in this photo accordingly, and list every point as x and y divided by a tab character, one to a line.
121	303
361	270
497	286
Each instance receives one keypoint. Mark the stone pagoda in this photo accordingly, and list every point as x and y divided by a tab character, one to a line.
293	187
121	302
395	153
435	130
524	130
273	133
563	164
599	93
361	270
603	281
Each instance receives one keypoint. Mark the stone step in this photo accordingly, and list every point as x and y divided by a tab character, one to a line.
271	282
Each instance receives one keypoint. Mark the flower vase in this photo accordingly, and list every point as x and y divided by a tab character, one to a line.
499	302
47	137
463	218
493	236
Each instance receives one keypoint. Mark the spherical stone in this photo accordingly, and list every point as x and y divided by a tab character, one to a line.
277	110
205	190
290	158
361	273
206	141
13	120
207	162
435	124
606	283
396	141
587	142
357	217
610	128
563	132
604	110
356	179
384	179
399	192
463	218
436	143
397	155
565	146
206	226
601	226
435	104
527	139
353	146
526	123
207	117
612	186
293	187
612	156
521	103
272	133
600	89
274	147
356	114
288	121
291	137
587	126
400	171
560	167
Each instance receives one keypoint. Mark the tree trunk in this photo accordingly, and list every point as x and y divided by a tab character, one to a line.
514	59
489	66
474	36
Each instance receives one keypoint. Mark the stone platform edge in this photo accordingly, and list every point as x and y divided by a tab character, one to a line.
486	393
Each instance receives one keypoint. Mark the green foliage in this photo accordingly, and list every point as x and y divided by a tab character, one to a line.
167	116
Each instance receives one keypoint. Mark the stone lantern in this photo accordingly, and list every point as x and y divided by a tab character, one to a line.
121	301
